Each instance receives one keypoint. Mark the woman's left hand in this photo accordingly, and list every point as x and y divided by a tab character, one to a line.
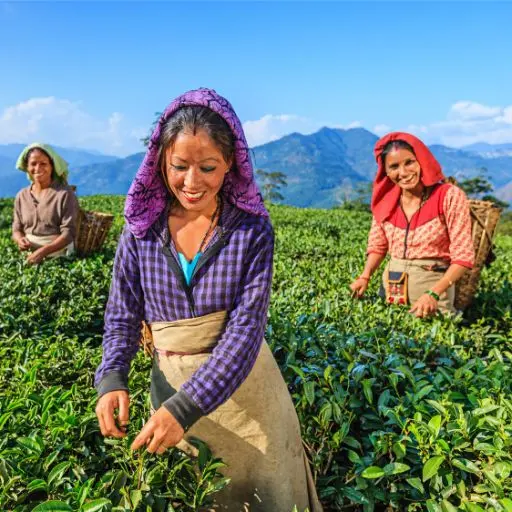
37	256
426	305
162	431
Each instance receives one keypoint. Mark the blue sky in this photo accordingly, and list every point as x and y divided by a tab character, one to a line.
92	74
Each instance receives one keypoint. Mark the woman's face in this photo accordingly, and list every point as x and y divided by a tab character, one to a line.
40	167
403	169
195	170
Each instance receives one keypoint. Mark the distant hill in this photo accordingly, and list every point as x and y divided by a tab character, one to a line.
489	150
112	178
458	163
505	193
322	168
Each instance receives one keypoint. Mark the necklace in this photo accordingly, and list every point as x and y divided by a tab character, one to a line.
424	198
216	214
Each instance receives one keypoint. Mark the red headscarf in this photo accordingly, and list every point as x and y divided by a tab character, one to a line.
385	192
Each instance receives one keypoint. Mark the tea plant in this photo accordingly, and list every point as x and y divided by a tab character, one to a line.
396	413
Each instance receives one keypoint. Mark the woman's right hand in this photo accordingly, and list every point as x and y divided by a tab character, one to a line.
359	286
23	243
110	425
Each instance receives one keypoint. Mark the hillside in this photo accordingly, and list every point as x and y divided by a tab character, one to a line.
322	168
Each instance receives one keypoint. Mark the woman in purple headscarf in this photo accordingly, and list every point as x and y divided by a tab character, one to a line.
195	262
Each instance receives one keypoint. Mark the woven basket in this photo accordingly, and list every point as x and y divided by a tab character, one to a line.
92	229
484	220
146	339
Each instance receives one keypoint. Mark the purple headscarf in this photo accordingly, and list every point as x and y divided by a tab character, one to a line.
148	195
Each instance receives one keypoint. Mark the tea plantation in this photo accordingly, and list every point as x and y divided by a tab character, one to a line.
397	413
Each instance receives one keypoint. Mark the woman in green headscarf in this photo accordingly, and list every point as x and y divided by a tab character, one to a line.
45	212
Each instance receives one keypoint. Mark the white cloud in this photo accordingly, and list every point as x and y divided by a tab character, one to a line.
468	110
381	129
469	122
66	123
272	127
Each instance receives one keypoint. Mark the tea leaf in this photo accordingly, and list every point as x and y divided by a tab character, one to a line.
432	466
373	472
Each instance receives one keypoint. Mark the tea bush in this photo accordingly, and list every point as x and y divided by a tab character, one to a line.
397	413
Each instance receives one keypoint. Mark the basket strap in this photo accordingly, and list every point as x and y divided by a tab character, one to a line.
482	225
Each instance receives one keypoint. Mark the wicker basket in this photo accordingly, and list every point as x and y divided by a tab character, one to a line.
146	339
484	220
92	229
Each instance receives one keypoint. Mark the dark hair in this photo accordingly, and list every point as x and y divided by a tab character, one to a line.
194	118
393	145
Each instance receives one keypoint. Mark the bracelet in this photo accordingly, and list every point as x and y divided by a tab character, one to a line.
365	278
433	294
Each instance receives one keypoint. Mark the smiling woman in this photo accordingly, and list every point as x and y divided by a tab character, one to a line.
45	212
423	223
195	263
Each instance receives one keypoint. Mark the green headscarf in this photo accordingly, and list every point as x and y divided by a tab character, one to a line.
60	166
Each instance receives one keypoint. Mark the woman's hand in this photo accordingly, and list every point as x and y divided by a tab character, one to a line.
425	306
162	431
37	256
23	243
359	286
111	426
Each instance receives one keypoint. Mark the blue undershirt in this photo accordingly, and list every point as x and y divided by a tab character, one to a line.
188	266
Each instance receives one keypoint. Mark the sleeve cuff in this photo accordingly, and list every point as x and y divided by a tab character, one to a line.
68	233
113	381
466	264
184	409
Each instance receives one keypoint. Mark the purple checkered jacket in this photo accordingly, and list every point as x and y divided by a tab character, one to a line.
234	274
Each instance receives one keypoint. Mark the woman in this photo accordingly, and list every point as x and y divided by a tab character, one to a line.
423	223
195	262
45	212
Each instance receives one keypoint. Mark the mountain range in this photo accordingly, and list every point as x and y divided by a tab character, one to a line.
321	168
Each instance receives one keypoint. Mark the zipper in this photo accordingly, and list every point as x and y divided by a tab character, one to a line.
178	271
409	221
405	241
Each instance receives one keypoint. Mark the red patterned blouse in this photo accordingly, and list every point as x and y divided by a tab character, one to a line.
440	229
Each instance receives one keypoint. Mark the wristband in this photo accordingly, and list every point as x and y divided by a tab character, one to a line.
363	277
433	294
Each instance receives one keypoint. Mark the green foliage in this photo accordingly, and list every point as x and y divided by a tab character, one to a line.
480	187
505	224
271	184
359	198
395	412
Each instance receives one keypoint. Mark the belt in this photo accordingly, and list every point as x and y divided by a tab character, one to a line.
168	353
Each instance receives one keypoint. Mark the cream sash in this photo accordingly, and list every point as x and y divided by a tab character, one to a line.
256	432
41	241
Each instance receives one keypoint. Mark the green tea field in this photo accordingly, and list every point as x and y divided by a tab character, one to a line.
397	414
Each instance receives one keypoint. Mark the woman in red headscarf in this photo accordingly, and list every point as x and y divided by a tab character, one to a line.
422	223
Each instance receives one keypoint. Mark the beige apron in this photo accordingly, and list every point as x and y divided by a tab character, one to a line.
421	280
41	241
256	432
